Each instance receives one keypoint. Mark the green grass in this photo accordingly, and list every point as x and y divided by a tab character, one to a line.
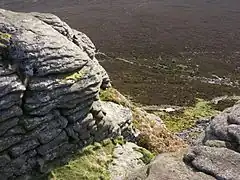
113	95
187	118
90	164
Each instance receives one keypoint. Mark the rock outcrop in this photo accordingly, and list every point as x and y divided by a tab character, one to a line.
168	166
218	150
215	154
49	95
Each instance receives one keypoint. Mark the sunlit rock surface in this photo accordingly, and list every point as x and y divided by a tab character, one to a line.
49	95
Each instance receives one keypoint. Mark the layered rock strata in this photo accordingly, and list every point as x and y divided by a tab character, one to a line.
49	95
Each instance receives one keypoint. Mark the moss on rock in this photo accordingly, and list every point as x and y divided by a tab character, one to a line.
76	76
4	39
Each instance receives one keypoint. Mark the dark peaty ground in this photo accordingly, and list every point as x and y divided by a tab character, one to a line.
173	44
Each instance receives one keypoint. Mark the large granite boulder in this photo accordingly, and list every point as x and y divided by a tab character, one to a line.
49	95
218	149
168	166
222	163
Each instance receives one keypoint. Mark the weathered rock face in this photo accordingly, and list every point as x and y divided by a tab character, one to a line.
126	160
215	155
49	86
218	150
168	166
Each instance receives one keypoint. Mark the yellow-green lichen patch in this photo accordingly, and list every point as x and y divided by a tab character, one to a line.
76	76
187	118
4	39
91	163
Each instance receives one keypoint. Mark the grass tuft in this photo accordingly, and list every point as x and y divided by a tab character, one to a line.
89	164
113	95
153	136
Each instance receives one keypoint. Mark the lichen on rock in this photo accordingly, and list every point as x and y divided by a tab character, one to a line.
4	39
49	101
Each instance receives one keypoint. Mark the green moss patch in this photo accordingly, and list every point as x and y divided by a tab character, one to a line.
147	155
187	118
113	95
91	163
119	140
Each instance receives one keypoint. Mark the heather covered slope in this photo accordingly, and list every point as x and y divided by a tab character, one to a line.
50	104
57	107
168	47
